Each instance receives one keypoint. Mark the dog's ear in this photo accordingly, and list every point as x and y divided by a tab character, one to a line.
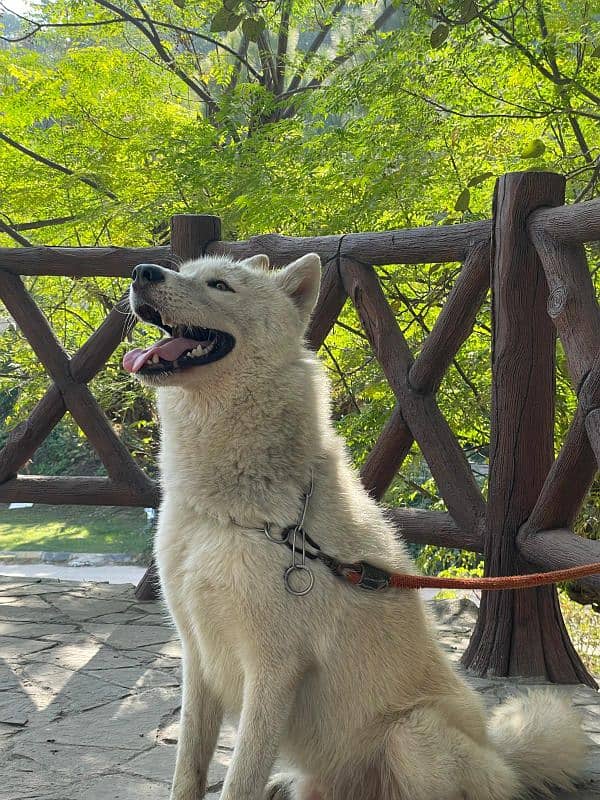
257	262
301	280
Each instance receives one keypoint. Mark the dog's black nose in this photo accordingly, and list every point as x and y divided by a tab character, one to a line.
147	273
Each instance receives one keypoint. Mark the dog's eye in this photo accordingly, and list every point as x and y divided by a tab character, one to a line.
220	285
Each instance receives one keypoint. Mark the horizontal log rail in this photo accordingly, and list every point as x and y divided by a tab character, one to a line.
533	252
413	246
575	224
77	490
562	549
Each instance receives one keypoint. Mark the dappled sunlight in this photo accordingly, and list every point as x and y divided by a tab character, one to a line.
73	528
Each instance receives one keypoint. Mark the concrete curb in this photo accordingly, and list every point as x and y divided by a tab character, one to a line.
68	559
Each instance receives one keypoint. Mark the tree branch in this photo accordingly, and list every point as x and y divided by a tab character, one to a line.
42	223
55	165
314	47
10	231
344	57
38	26
282	45
167	59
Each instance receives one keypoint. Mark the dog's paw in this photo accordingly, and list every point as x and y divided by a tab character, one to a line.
280	787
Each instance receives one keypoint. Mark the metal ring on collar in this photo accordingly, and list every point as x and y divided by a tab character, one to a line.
298	568
283	539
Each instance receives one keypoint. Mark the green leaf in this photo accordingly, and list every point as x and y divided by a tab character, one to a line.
225	20
534	149
439	35
468	10
463	200
253	28
179	3
231	5
596	52
476	180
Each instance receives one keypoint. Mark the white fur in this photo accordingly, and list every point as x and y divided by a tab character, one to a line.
347	687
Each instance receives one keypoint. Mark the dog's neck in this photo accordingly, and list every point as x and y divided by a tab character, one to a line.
247	453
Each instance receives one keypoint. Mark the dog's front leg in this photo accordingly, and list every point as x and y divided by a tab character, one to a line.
201	716
268	698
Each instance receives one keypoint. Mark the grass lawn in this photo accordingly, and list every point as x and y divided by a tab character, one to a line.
75	529
583	624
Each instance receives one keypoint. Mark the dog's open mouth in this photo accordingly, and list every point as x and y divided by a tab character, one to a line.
185	346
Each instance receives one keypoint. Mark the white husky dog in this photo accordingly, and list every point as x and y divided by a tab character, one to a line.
345	687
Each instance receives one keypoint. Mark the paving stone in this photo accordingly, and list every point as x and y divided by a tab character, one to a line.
118	787
129	636
13	648
41	588
156	764
156	619
37	630
8	679
84	607
74	760
130	614
68	690
7	583
16	708
30	609
89	654
136	677
89	699
131	723
171	649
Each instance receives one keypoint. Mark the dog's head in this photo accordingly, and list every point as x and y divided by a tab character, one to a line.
221	318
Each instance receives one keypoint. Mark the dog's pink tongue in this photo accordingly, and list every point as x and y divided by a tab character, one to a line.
167	349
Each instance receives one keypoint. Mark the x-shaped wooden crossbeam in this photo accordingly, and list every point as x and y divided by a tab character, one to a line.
414	382
127	484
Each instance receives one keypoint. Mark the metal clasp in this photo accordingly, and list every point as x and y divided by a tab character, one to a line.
298	566
372	578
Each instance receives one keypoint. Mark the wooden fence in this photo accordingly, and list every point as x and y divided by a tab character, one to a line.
532	251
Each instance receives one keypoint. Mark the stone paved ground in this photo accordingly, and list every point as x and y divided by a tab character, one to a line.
89	694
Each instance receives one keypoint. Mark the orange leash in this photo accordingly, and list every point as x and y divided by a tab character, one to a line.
372	578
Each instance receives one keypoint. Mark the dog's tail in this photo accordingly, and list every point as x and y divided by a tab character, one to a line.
540	736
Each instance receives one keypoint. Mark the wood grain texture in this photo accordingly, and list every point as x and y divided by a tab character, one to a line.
25	438
77	397
567	482
560	549
79	262
520	632
332	297
454	323
412	246
573	224
433	527
444	456
84	490
572	303
191	234
592	426
388	453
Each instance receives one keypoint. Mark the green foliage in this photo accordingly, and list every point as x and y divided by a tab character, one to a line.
449	562
295	117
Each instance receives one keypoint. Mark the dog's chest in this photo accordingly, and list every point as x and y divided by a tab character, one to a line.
222	589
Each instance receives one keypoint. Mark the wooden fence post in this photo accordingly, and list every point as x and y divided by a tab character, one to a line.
520	632
190	236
